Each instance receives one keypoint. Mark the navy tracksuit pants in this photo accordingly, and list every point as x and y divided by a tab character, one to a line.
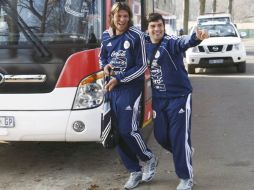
172	120
125	103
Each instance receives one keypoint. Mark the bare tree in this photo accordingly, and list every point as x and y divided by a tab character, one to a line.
230	6
44	15
13	36
186	5
214	6
202	7
29	4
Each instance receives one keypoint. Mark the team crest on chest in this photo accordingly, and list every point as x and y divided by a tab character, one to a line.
126	45
157	55
154	63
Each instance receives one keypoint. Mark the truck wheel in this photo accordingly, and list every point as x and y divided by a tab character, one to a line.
241	67
191	69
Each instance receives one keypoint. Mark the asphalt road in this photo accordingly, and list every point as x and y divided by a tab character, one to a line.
223	127
222	134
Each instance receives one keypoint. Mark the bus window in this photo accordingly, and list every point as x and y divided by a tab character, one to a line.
57	21
3	27
88	14
33	30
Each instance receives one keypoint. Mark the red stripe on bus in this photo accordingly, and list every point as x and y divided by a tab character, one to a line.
77	67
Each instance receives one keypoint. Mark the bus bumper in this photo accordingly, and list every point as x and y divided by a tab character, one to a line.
52	125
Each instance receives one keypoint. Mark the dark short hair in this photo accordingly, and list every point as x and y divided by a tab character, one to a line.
153	17
118	6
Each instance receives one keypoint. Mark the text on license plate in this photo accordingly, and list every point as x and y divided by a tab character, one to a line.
7	121
215	61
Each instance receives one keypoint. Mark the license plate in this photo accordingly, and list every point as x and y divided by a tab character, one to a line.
7	121
215	61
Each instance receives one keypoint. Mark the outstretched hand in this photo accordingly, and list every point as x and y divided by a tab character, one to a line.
201	34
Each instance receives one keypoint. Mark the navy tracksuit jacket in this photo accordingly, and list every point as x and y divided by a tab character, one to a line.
126	52
171	90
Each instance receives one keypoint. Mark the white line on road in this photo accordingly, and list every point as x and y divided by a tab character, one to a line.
223	76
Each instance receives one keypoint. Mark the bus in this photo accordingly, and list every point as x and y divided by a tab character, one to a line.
51	86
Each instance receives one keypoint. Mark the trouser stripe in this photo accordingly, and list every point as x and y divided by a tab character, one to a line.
187	146
137	136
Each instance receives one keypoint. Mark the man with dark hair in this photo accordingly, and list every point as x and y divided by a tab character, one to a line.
172	90
123	57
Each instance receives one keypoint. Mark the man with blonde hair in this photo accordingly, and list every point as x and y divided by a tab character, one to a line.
123	57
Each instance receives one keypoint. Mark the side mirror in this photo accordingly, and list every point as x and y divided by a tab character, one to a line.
243	34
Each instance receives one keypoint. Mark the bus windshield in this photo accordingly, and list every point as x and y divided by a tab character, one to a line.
50	21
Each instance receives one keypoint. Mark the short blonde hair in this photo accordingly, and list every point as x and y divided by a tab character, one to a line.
118	6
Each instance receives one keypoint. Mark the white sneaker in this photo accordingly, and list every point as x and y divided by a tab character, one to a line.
185	184
149	169
133	181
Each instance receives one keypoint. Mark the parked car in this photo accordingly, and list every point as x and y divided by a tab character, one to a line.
223	48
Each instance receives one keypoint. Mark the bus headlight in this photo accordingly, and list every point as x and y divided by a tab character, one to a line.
90	92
